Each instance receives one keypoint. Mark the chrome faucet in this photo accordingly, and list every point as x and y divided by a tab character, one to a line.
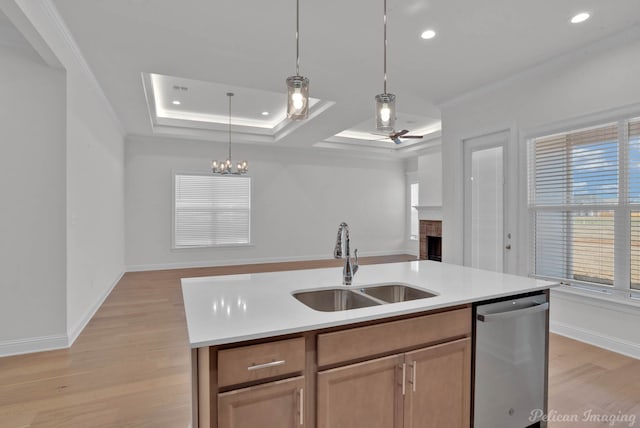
342	240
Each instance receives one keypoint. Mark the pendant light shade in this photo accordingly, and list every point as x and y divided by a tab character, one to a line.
297	86
385	102
227	167
385	112
297	97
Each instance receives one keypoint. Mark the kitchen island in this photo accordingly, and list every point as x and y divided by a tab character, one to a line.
259	353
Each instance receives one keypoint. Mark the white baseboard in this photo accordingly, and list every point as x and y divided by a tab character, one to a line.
614	344
215	263
76	329
412	252
32	344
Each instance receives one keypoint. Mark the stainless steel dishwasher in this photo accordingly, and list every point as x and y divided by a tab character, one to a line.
510	371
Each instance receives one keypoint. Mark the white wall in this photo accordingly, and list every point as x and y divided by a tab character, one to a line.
32	218
95	201
93	164
595	79
299	199
599	78
430	176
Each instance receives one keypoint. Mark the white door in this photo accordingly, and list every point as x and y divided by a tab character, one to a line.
486	232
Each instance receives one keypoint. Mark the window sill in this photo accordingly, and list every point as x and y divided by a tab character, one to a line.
210	247
615	299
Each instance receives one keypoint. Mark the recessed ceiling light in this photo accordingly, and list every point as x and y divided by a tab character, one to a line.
428	34
176	102
581	17
265	113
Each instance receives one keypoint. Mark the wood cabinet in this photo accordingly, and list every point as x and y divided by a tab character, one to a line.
373	340
274	404
426	388
255	362
366	394
439	386
411	371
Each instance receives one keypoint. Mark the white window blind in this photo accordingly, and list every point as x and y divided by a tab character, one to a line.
634	200
211	210
573	199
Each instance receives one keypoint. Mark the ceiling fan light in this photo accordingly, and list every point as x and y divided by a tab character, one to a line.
297	97
385	112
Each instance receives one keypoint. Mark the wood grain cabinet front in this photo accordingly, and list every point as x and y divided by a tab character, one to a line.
361	395
275	404
413	372
386	337
438	388
262	361
426	388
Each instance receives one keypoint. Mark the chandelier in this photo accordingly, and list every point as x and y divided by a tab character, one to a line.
227	167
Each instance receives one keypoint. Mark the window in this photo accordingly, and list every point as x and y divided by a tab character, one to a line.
634	201
413	202
211	210
584	203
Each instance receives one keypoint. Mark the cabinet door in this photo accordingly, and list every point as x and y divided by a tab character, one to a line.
275	404
363	395
439	386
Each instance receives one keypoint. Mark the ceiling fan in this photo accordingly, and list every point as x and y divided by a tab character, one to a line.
395	136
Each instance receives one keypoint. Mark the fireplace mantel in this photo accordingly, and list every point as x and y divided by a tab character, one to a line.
429	212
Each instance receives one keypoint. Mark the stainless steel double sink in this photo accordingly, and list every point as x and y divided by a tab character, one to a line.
345	298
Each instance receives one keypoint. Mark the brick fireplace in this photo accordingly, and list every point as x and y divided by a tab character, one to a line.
431	240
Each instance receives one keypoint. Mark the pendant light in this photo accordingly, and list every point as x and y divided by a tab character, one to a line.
385	102
297	86
227	167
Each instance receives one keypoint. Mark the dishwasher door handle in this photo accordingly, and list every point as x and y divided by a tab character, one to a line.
515	313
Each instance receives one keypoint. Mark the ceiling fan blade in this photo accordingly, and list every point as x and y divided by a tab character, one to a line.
413	136
397	140
399	133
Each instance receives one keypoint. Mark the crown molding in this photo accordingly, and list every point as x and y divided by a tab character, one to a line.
617	39
30	34
47	21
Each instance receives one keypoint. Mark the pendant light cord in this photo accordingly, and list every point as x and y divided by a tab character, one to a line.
229	94
385	47
298	37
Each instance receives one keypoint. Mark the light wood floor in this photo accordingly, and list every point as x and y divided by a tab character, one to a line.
584	378
130	366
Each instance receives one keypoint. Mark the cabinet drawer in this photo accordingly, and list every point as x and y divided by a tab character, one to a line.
255	362
377	339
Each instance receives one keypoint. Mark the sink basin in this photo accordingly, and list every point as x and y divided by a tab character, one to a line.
392	293
334	299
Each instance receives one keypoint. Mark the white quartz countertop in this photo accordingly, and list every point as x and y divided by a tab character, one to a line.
235	308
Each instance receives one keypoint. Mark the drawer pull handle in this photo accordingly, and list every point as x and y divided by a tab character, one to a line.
404	375
301	406
266	365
